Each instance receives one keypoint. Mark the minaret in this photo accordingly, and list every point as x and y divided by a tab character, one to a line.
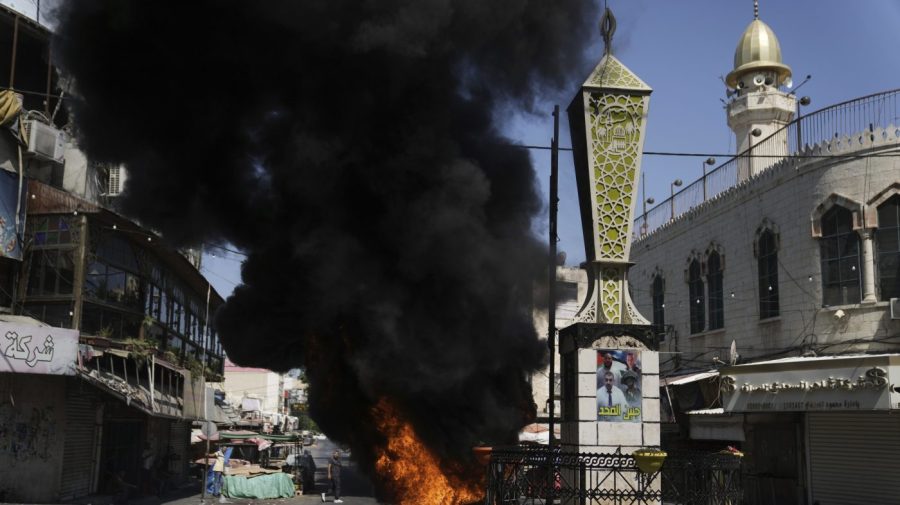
759	108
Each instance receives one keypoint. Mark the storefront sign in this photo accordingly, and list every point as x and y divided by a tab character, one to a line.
37	349
854	383
619	386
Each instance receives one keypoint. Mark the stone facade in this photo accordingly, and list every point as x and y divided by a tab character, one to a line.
788	198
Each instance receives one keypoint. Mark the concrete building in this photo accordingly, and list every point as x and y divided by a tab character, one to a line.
571	289
107	346
262	396
783	261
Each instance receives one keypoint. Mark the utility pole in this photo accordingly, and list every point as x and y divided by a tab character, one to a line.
551	290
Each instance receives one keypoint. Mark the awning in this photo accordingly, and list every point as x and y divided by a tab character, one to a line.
680	380
137	397
715	424
706	412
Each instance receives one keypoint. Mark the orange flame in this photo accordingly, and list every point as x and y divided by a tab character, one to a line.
412	473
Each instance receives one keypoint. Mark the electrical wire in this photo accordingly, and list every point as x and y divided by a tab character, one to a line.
732	155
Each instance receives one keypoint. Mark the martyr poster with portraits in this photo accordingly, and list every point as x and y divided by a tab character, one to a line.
619	385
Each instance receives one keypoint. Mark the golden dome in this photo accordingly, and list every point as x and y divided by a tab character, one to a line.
758	49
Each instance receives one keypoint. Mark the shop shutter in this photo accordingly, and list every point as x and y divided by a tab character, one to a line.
853	458
79	449
180	440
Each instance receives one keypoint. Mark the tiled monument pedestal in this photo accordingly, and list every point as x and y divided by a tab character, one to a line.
610	400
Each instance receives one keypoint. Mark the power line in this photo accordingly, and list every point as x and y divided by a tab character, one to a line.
732	155
233	283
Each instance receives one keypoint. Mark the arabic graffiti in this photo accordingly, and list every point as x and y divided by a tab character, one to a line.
18	348
26	436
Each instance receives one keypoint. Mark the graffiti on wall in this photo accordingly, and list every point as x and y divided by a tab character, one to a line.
26	436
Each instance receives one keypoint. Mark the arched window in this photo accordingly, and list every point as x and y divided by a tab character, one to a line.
657	291
698	300
887	240
767	262
716	298
840	258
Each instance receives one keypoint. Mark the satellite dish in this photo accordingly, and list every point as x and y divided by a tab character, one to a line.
732	354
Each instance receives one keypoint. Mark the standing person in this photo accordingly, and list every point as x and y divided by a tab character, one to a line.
218	468
334	475
147	460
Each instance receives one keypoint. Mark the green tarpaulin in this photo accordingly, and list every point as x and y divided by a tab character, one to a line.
273	485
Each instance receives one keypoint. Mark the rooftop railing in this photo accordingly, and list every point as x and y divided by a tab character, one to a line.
852	120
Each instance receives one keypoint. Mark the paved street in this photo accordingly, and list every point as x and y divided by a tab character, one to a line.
356	488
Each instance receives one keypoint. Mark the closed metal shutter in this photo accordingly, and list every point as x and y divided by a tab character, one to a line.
180	440
853	458
79	450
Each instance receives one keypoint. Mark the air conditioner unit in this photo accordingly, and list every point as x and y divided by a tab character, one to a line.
895	308
117	177
44	141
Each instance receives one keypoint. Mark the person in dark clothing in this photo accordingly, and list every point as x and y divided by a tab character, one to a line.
308	470
334	475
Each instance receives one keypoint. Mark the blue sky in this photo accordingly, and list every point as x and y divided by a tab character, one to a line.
681	49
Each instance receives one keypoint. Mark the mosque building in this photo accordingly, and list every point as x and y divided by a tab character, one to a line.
777	279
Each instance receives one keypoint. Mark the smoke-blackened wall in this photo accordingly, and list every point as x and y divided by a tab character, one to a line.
352	150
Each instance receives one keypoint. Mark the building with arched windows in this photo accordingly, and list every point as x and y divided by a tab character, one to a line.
777	286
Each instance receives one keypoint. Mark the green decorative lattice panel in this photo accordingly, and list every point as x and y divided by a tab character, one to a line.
611	294
611	73
615	131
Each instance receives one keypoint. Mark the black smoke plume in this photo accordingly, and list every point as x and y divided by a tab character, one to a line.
352	150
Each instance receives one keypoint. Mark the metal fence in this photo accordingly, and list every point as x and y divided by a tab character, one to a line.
521	476
851	120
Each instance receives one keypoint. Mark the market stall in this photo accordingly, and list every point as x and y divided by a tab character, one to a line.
253	469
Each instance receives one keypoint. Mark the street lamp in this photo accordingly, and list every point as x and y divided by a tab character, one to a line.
644	226
678	183
804	101
756	132
709	161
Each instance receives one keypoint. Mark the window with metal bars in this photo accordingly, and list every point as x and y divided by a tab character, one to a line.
839	248
767	271
887	243
697	297
716	292
658	295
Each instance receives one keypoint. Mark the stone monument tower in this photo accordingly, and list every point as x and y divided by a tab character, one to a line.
610	365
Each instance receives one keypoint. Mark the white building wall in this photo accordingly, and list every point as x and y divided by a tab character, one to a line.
257	384
787	195
566	278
